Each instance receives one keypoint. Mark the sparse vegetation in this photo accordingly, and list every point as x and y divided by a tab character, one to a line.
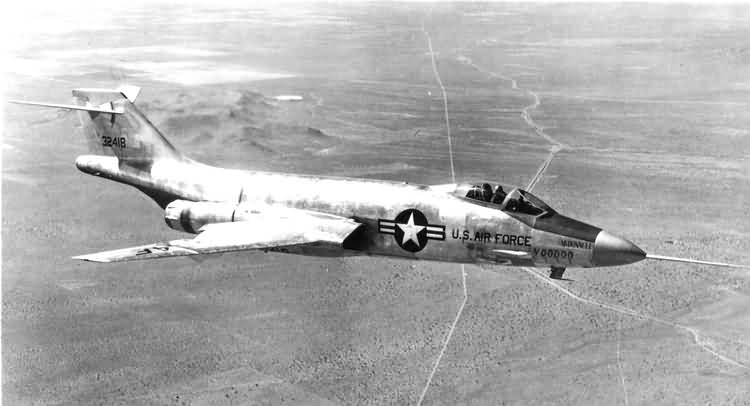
652	100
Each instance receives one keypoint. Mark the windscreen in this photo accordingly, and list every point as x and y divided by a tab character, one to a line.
509	199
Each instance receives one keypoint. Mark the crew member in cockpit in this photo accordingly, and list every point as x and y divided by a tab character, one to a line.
499	195
512	205
486	192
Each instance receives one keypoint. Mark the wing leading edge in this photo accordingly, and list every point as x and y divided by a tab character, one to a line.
266	233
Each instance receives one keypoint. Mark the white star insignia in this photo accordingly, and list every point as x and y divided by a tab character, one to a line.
410	230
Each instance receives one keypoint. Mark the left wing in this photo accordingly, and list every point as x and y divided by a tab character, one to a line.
263	232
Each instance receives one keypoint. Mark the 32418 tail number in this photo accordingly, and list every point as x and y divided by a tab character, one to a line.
108	141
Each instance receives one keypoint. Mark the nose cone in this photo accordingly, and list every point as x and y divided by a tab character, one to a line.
611	250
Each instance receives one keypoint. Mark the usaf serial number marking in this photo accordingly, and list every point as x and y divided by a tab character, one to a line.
108	141
554	254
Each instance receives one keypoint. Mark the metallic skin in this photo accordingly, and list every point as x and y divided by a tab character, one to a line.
232	210
612	250
367	201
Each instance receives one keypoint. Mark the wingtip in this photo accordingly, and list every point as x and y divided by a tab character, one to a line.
90	258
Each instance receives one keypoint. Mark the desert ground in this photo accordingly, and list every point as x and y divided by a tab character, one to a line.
647	106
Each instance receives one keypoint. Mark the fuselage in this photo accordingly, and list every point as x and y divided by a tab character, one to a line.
401	219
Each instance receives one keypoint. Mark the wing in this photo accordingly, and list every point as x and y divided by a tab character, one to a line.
263	232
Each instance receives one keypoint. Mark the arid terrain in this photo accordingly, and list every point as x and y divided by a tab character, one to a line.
647	106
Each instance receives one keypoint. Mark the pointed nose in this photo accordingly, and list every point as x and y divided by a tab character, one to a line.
611	250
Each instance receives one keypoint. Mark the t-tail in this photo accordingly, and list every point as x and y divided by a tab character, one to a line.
124	145
114	126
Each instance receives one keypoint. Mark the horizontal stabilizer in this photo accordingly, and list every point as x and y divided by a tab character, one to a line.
130	92
100	109
94	95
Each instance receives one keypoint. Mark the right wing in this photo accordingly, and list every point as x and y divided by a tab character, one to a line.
302	228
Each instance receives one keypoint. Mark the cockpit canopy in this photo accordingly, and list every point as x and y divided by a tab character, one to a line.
509	199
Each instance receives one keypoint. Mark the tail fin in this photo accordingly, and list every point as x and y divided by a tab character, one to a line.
129	136
113	125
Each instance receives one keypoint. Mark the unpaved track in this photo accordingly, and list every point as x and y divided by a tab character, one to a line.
619	362
556	146
704	344
449	335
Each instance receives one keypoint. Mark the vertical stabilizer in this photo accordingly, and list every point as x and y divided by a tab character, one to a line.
125	146
128	135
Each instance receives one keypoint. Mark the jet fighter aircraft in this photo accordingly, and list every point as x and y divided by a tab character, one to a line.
233	210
